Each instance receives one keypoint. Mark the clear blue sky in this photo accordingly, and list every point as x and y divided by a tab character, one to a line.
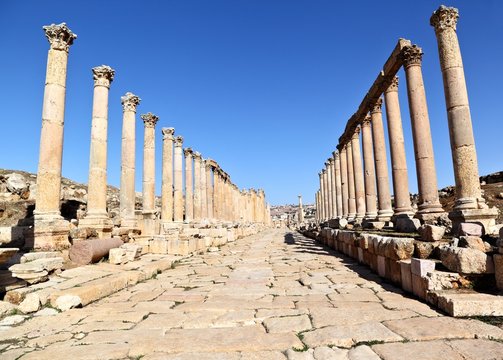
264	87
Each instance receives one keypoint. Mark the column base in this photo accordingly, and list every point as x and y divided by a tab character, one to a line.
103	226
423	209
374	224
384	215
485	217
406	211
48	233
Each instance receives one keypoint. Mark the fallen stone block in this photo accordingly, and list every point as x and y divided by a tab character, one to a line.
466	261
39	255
421	267
117	256
431	232
133	251
90	251
30	304
406	224
67	302
399	248
472	242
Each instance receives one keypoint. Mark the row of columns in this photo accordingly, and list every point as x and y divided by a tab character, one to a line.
206	193
352	190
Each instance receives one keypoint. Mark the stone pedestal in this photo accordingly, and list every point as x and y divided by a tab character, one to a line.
470	206
384	212
128	156
47	211
97	215
421	133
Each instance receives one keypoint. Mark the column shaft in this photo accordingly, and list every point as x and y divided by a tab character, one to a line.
189	186
128	158
204	197
423	147
397	149
329	189
464	156
344	181
358	173
351	182
338	184
381	164
178	180
369	175
167	175
209	193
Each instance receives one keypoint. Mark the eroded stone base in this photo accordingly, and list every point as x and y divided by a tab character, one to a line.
484	217
48	235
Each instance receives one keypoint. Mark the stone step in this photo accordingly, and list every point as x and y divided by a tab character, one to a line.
461	303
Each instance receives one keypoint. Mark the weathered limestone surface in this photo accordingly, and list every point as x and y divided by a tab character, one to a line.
249	301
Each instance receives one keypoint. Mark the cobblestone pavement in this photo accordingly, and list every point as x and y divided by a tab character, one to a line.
275	295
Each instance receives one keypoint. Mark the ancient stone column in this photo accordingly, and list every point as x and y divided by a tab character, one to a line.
325	193
204	197
216	194
97	215
148	212
318	209
351	182
178	180
423	147
358	174
344	181
464	156
197	187
322	195
301	210
209	191
338	183
189	186
384	212
51	231
128	158
330	188
369	174
397	149
333	188
167	175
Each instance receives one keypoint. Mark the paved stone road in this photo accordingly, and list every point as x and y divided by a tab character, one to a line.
275	295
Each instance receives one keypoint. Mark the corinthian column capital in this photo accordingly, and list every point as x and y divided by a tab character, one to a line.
149	119
444	18
377	108
103	75
60	36
129	102
412	55
167	133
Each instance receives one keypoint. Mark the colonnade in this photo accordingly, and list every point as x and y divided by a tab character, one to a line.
360	191
201	192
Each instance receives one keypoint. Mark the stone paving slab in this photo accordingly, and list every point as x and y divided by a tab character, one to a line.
257	298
